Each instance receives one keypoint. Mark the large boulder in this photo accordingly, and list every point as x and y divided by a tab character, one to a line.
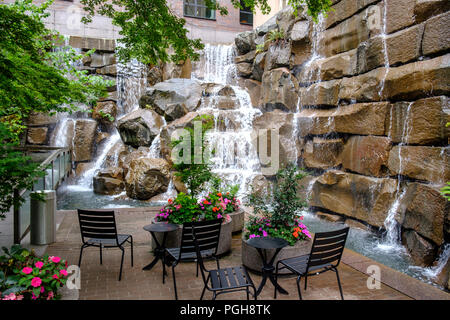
436	37
357	196
279	90
140	127
164	97
426	211
109	181
322	153
325	93
245	42
146	178
421	250
419	162
419	122
244	69
102	109
83	143
360	118
258	66
37	135
367	155
278	55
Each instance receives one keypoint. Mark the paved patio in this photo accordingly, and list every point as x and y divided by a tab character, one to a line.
100	281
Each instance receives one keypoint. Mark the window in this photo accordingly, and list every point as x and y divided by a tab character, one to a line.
198	9
245	15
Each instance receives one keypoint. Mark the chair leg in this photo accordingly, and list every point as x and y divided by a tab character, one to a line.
254	293
204	288
131	237
174	282
214	295
121	263
298	287
248	293
81	255
164	268
276	281
306	281
101	255
339	284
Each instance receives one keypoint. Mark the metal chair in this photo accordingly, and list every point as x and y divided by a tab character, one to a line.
208	240
98	229
326	253
222	280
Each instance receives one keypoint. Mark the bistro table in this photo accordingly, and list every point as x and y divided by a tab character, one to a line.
262	244
159	251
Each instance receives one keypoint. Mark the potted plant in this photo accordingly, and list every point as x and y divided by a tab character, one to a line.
277	214
232	206
184	208
25	276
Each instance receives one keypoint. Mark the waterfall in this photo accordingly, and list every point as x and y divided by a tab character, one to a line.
235	160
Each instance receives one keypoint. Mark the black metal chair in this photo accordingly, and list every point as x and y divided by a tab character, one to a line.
98	229
224	280
208	240
325	255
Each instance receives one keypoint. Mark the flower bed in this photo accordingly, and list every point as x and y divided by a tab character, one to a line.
24	276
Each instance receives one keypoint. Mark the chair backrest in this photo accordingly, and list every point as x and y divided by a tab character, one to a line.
207	235
97	224
327	248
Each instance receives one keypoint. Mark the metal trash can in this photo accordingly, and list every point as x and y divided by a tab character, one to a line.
42	218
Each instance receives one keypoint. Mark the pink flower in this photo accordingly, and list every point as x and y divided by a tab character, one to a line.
55	276
11	296
252	236
39	264
33	296
42	289
63	272
50	295
27	270
265	233
36	282
55	259
219	216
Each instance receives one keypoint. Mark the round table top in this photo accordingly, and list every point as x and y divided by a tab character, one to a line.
267	243
161	227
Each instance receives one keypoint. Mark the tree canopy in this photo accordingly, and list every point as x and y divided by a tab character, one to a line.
149	28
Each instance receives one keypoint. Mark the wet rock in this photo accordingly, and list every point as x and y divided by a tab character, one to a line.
102	59
141	152
154	75
360	118
139	127
436	37
278	55
83	167
111	172
365	87
399	14
355	224
367	155
147	178
104	108
261	186
40	119
426	210
324	93
161	96
267	26
279	90
322	153
419	122
179	185
351	32
253	88
245	42
101	137
421	251
360	197
258	66
248	57
300	31
83	143
425	9
108	70
285	19
419	162
330	217
37	135
244	69
301	53
107	186
345	9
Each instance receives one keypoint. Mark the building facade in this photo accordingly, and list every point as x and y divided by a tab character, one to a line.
208	25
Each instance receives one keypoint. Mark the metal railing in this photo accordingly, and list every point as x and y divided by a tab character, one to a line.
57	166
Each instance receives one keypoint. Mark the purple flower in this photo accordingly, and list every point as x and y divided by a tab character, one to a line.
265	233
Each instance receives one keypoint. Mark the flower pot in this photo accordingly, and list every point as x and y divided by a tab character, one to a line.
237	220
252	260
173	239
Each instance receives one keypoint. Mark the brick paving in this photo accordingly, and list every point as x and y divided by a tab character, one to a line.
101	281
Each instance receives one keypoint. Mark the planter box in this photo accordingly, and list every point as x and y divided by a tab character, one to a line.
174	238
252	260
237	220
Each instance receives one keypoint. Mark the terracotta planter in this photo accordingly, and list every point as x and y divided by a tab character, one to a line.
237	220
252	260
173	239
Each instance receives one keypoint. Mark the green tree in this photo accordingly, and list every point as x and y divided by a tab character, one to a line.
34	77
149	28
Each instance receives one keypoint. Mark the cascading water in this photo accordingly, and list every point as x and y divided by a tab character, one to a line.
235	160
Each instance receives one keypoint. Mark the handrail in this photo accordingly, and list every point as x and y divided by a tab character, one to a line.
63	156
